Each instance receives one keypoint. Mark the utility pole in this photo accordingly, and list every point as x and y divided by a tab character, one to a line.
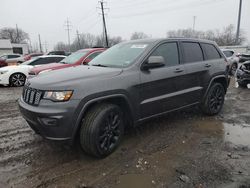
194	20
17	34
68	28
238	25
40	44
104	23
78	39
45	46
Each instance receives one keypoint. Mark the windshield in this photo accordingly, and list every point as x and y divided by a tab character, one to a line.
73	58
120	55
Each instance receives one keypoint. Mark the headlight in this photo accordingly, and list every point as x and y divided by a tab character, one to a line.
58	96
44	71
3	72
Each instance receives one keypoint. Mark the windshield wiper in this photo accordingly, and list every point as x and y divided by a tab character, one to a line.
99	65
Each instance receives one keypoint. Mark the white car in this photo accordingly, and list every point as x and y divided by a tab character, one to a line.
13	58
16	75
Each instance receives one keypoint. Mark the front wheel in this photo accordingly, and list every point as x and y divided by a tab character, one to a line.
17	79
214	99
102	130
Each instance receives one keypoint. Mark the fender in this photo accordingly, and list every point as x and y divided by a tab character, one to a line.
212	80
92	100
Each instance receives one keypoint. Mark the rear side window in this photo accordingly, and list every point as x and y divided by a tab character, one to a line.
211	52
169	51
192	52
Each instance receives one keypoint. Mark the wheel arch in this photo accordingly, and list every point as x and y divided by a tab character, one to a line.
16	73
120	100
218	79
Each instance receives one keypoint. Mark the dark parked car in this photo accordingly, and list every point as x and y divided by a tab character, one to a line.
57	53
125	85
243	74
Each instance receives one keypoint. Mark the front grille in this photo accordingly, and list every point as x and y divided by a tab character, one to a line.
32	96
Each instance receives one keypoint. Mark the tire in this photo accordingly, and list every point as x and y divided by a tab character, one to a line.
17	79
214	99
102	130
242	84
233	69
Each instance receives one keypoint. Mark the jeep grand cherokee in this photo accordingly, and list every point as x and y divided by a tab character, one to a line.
125	85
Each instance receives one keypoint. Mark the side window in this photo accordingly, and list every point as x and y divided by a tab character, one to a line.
40	61
192	52
169	51
56	59
12	56
211	52
92	56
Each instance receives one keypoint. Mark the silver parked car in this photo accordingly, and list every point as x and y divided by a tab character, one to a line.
232	59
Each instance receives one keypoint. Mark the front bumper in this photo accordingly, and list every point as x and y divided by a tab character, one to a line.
54	121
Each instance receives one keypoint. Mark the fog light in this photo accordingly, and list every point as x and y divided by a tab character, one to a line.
49	121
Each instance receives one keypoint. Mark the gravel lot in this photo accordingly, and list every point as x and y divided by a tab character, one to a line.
182	149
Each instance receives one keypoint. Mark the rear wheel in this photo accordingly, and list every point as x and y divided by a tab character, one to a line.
214	100
102	130
17	79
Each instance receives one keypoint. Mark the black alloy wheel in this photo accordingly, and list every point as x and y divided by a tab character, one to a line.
102	130
214	99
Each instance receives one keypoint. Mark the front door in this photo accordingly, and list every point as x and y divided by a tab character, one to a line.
158	90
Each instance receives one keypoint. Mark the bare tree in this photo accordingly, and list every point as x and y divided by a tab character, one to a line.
61	46
15	35
87	40
225	37
138	35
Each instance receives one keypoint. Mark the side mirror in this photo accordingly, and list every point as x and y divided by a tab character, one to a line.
154	62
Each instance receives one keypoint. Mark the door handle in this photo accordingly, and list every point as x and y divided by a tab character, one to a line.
178	70
207	65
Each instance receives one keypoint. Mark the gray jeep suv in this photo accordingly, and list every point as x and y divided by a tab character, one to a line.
127	84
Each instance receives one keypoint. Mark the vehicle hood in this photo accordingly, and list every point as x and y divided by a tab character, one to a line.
47	66
18	67
69	78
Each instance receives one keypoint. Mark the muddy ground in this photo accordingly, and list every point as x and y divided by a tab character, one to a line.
182	149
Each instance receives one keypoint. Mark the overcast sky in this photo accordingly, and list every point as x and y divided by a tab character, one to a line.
153	17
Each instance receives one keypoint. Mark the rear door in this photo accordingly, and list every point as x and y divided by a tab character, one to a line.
193	59
158	90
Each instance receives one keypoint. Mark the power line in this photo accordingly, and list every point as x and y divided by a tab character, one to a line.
168	9
68	28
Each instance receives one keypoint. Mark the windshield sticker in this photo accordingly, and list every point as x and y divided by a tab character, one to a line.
139	46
